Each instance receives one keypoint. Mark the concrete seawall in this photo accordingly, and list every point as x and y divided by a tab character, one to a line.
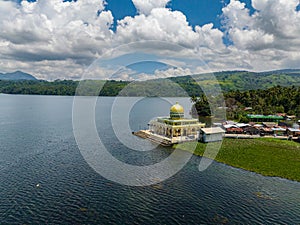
164	141
247	136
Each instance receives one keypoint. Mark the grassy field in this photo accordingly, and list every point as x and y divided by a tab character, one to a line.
269	157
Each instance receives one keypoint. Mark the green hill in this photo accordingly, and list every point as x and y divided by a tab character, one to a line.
18	75
174	86
243	80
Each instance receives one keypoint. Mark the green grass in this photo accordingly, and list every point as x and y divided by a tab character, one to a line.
269	157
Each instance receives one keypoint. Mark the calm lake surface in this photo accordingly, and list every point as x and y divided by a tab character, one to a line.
45	180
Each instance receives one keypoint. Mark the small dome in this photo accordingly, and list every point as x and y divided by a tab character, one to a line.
177	108
176	111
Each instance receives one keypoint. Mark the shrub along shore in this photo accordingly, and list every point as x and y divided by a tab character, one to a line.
269	157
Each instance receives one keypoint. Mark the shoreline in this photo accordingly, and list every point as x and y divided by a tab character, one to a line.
260	156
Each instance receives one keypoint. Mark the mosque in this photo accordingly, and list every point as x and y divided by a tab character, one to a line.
172	129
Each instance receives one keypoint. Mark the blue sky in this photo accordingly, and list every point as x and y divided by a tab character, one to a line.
47	37
198	12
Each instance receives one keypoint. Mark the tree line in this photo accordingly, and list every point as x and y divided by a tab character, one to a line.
240	103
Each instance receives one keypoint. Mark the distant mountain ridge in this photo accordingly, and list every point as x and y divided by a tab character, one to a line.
243	80
22	83
18	75
286	71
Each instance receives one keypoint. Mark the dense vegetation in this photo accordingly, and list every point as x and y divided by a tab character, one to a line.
267	102
259	92
151	88
61	87
269	157
176	86
271	101
38	87
242	80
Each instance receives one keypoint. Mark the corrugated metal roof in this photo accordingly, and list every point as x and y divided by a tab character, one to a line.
213	130
278	129
293	130
251	116
226	126
243	125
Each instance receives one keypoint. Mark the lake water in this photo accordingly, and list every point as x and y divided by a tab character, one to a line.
44	178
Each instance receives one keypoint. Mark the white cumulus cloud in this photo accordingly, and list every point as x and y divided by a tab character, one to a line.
59	39
162	24
146	6
54	30
274	24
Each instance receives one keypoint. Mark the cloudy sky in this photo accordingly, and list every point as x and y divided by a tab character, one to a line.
54	39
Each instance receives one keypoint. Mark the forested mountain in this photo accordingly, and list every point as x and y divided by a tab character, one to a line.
243	80
18	75
174	86
263	93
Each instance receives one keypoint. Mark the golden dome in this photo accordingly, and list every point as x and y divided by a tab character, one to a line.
177	108
176	112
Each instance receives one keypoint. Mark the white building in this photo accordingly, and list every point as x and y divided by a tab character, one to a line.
211	134
176	128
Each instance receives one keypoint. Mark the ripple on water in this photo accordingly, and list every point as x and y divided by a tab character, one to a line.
40	149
